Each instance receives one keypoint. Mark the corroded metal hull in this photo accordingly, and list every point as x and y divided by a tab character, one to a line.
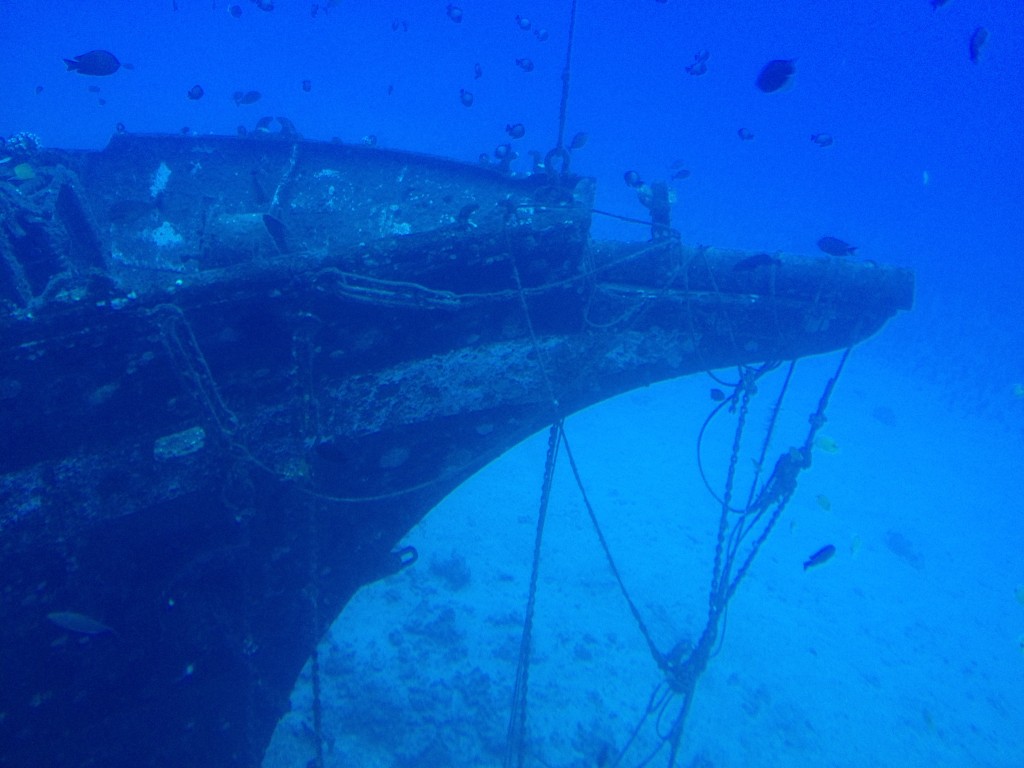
236	372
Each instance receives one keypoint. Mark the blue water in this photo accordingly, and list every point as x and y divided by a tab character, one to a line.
906	648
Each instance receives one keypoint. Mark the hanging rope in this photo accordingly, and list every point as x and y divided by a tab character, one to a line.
515	742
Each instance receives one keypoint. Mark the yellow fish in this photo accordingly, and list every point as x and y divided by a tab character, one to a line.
827	444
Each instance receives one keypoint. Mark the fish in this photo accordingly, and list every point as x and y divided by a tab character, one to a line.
235	11
823	555
827	444
249	97
525	64
702	55
515	130
78	622
823	502
757	260
836	247
978	39
541	34
745	134
682	173
263	124
936	4
578	141
94	89
632	179
524	23
195	92
466	97
95	63
307	86
775	75
822	139
478	71
717	395
454	13
697	69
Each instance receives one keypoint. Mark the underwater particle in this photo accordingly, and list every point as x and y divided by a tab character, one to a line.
466	97
95	63
541	34
369	140
307	86
827	444
524	23
195	92
820	557
515	130
775	75
525	64
478	71
578	141
717	395
78	622
454	13
833	246
632	179
248	97
756	261
745	134
823	502
978	39
822	139
235	11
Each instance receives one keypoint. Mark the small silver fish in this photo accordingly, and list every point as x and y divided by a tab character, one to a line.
79	622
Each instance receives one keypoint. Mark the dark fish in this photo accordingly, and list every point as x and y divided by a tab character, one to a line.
95	63
822	139
525	64
478	71
39	89
978	39
466	97
936	4
195	92
681	174
78	622
503	151
823	555
541	35
101	102
702	55
454	13
836	247
264	5
287	126
524	23
121	128
775	75
263	124
632	179
757	260
515	130
717	395
745	134
578	141
235	10
94	89
128	65
307	85
465	212
249	97
697	69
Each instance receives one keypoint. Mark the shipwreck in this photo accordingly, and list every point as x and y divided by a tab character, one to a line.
234	372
